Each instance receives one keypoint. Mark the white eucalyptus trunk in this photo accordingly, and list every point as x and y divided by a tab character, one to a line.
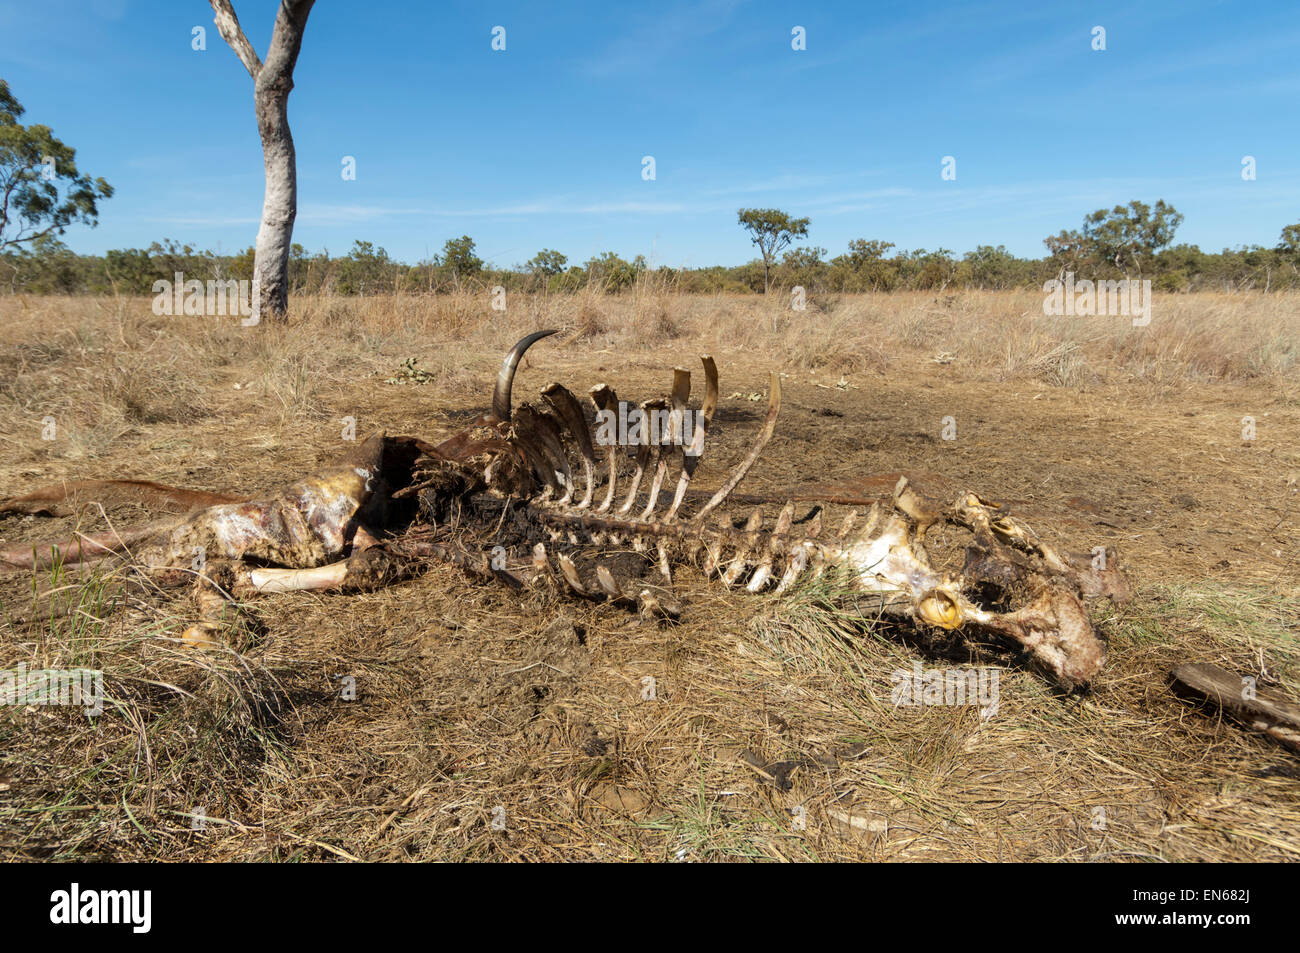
272	83
280	203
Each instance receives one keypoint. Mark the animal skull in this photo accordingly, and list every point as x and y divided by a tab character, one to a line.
395	503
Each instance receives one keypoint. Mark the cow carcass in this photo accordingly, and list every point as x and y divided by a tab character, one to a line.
539	494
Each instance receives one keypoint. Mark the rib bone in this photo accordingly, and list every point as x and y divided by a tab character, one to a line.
355	525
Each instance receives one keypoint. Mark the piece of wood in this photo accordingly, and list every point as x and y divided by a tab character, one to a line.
1265	710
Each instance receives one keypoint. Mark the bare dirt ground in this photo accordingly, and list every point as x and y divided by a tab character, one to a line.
490	725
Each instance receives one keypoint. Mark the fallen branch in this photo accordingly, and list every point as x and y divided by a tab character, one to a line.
1265	710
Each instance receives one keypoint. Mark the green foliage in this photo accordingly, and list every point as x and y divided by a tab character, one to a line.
547	263
610	273
993	267
131	271
804	266
366	270
47	266
864	267
772	230
410	374
43	193
1129	236
571	280
1289	242
1125	238
458	259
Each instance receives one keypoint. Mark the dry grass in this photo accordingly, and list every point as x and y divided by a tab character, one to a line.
487	725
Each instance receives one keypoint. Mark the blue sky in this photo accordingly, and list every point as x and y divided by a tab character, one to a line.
541	145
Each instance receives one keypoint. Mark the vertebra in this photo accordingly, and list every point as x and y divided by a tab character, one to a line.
517	496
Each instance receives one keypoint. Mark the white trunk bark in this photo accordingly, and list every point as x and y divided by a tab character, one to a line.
272	83
280	204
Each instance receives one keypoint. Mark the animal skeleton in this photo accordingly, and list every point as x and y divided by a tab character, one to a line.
501	500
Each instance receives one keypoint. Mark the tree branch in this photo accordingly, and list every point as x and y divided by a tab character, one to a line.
286	38
29	238
228	27
10	185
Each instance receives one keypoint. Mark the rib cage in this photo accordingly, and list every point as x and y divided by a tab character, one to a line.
544	494
1011	585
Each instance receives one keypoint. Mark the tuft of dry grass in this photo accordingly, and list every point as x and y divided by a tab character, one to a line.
440	719
183	735
1196	338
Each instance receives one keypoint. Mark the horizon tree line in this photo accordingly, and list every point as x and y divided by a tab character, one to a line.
45	193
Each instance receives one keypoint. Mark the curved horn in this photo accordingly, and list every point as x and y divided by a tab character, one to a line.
506	376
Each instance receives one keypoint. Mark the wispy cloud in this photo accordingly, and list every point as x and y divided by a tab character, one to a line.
785	182
202	220
316	214
660	35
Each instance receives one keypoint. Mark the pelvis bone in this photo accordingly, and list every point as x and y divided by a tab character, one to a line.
541	494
